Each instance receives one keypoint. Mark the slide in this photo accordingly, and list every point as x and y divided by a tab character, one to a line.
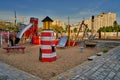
20	34
63	41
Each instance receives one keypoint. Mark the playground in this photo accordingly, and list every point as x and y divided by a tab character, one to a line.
67	58
46	59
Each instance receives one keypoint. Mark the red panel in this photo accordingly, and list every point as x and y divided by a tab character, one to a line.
46	51
36	40
53	58
48	59
47	42
56	42
47	34
34	29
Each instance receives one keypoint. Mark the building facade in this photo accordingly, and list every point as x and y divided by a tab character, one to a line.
103	19
58	23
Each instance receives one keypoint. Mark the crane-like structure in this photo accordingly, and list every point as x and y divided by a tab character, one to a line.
80	28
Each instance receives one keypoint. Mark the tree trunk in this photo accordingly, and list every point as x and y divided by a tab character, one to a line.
117	34
99	34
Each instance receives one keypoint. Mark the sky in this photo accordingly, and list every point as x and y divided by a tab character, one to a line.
77	10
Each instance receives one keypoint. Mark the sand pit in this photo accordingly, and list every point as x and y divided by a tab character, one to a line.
67	58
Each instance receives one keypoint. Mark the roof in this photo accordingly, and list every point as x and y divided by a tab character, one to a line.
47	19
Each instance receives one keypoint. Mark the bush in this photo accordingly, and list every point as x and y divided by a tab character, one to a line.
105	50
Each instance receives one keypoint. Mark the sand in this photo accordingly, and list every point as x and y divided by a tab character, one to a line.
67	58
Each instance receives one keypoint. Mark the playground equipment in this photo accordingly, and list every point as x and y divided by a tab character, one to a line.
65	40
20	34
33	30
47	47
62	41
30	29
0	39
5	36
81	25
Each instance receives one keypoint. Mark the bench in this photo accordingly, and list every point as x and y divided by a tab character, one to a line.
15	48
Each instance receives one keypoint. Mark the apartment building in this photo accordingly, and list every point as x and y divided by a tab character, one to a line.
58	23
103	19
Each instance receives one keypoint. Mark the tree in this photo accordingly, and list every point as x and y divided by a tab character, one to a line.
115	23
66	29
39	29
57	29
11	28
88	30
107	29
75	30
111	29
116	27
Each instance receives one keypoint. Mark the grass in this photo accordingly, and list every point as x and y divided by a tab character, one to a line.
105	51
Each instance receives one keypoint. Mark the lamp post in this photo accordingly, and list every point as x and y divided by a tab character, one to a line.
92	25
69	31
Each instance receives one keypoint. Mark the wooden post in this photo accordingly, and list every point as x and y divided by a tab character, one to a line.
68	32
92	25
8	39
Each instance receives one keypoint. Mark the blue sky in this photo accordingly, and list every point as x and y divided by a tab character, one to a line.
57	9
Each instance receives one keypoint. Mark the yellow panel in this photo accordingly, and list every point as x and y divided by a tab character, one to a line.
47	25
44	25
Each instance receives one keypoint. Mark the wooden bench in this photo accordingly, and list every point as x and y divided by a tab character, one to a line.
15	48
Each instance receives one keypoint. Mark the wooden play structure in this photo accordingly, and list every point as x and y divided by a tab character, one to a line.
65	40
84	32
30	30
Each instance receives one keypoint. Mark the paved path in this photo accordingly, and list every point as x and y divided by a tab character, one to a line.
8	72
105	67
